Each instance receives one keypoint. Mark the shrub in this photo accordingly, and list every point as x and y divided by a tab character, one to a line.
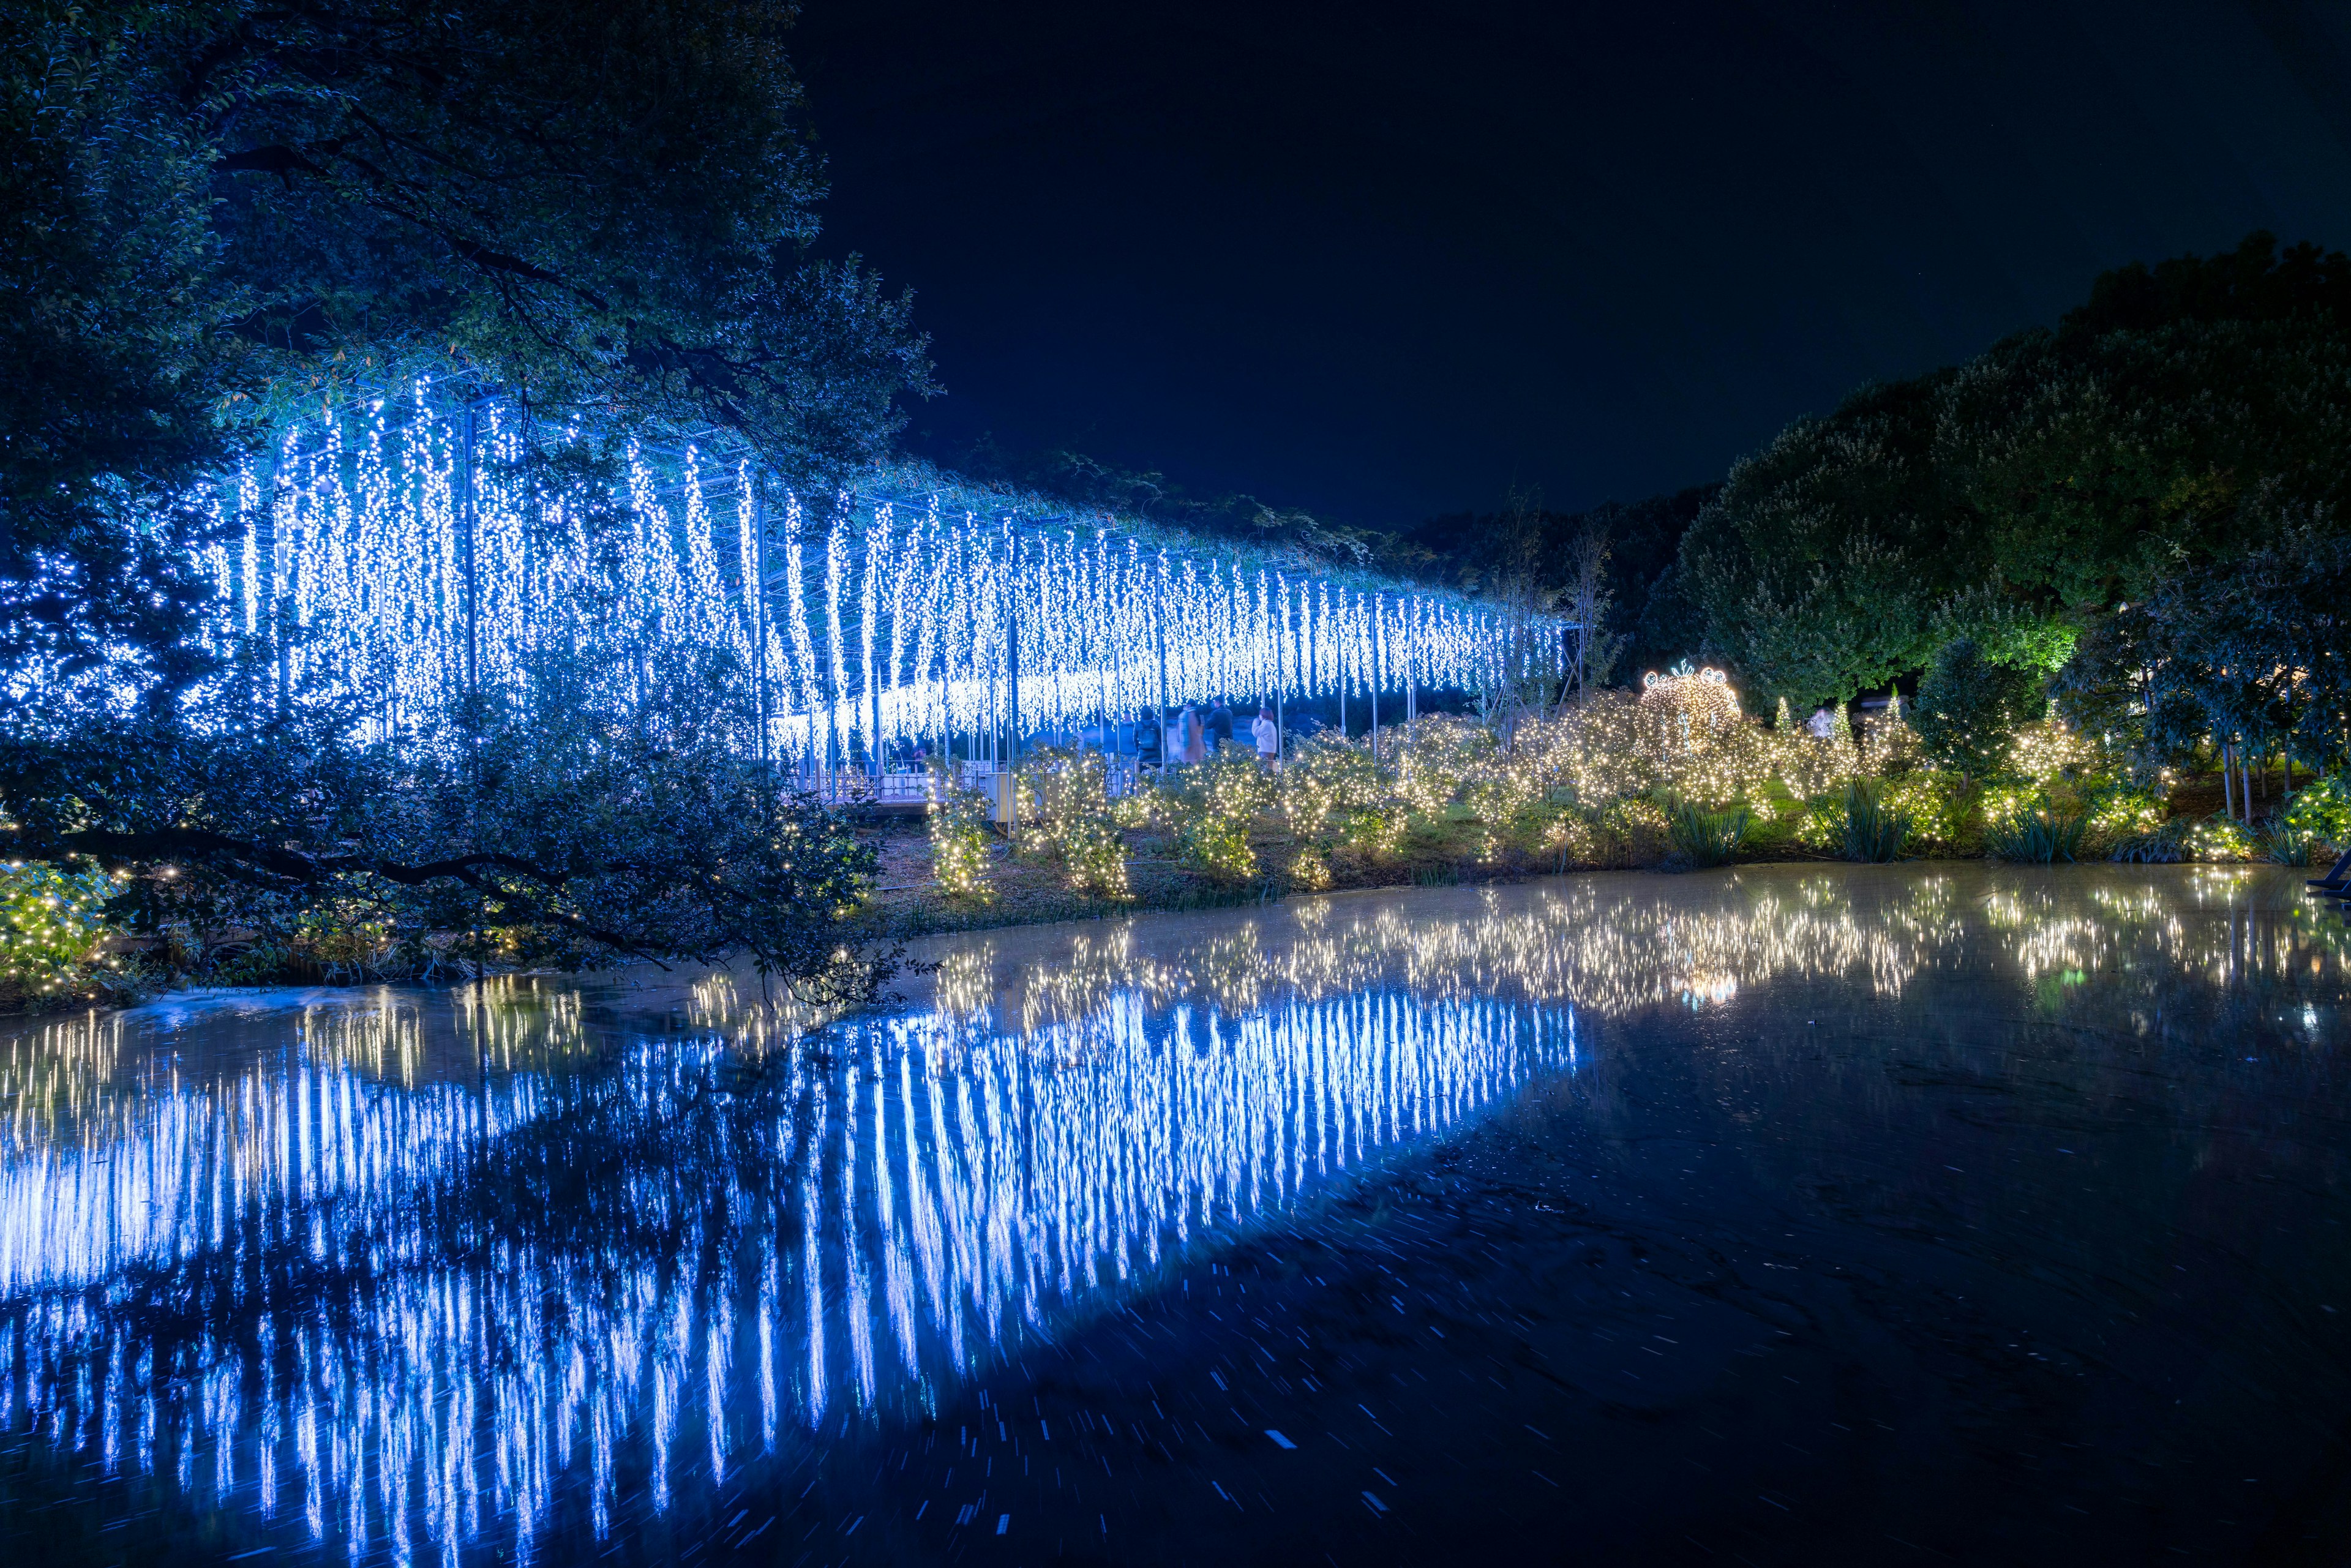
2323	811
2040	835
1701	837
1216	802
1874	828
51	922
2216	838
1067	816
1970	707
2283	842
1324	784
2166	845
959	841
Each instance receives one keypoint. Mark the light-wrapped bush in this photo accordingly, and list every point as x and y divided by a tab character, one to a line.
2322	812
1067	817
2216	838
51	924
1215	804
1327	784
959	841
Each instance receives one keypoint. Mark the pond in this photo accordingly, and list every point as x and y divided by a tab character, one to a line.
1779	1215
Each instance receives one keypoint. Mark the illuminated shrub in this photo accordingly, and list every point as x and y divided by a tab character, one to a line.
2322	812
51	924
2118	810
1935	802
959	842
1438	759
1970	706
1216	803
1326	785
2217	838
1067	817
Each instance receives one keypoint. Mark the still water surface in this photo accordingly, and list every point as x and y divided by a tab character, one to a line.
1880	1212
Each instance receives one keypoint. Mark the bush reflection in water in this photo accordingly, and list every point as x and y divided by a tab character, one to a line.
408	1271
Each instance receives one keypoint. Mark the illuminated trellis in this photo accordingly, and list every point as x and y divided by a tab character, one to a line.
398	559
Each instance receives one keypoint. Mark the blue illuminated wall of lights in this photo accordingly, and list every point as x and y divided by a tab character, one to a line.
391	555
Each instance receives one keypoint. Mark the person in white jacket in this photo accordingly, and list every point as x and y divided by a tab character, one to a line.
1269	739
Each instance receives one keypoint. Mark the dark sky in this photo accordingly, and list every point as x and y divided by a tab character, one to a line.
1385	262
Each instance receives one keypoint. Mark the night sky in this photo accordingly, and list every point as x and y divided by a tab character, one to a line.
1386	263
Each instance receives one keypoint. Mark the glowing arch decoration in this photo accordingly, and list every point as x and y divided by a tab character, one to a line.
392	557
1691	697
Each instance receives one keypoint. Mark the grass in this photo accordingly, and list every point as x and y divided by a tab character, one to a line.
2038	837
1701	837
2281	843
1873	831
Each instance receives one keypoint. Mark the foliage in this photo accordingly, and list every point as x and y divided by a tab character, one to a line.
2019	499
572	837
2166	845
1970	707
960	849
2217	838
1701	837
215	213
2254	653
1215	805
1328	785
2323	811
51	924
1067	816
2042	833
2280	842
1874	830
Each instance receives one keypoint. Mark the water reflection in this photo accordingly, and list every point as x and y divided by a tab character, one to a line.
402	1272
413	1267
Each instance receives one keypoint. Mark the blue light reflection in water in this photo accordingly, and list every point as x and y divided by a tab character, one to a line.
421	1269
538	1264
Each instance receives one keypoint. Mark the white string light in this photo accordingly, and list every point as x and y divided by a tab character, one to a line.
392	556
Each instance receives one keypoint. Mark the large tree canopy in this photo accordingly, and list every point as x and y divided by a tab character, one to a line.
212	213
2163	428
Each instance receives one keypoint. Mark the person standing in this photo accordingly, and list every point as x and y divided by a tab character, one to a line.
1268	734
1220	724
1147	738
1186	741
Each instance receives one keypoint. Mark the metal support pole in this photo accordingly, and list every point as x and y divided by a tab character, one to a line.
1410	674
473	570
1159	630
759	613
1280	626
1013	674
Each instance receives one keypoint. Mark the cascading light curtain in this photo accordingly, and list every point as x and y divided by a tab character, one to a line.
392	555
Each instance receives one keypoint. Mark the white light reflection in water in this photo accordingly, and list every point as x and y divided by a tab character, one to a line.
405	1303
408	1272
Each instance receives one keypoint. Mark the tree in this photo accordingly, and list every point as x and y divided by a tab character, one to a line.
1969	707
559	832
221	211
2169	423
2254	656
1817	568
